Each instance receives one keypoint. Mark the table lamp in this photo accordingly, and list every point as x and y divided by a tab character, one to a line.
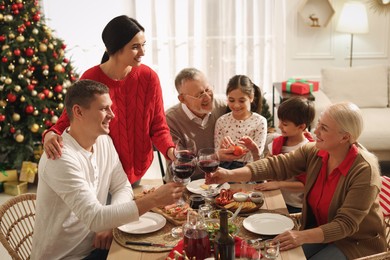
353	19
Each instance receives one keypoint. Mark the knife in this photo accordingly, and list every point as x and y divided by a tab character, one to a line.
147	244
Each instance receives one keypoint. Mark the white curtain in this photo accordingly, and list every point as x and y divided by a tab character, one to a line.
220	37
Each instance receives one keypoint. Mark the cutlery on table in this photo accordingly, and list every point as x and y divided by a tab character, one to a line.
235	214
147	244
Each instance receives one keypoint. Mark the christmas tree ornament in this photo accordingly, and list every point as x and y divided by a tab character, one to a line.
34	128
34	93
45	72
54	119
61	106
46	92
45	110
29	52
15	117
20	76
58	68
11	67
2	118
2	78
19	138
36	112
59	96
29	109
3	103
11	97
17	52
35	31
41	96
4	59
20	38
11	36
42	47
8	18
8	81
22	99
21	28
17	88
50	95
22	60
12	130
5	46
1	87
30	87
58	88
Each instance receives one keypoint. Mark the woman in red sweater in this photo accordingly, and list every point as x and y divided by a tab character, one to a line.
137	101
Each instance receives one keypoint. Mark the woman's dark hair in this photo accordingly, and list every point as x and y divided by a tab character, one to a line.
117	33
297	110
244	83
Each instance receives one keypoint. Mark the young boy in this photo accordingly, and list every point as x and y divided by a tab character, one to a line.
295	116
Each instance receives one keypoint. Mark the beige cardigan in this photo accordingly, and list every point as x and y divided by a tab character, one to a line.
355	221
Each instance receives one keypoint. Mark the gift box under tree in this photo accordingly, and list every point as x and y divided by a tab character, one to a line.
300	86
8	175
15	188
28	172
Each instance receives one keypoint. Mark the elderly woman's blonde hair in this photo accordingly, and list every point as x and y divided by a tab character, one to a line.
348	116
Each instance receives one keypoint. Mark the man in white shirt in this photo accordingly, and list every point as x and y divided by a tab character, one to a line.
72	218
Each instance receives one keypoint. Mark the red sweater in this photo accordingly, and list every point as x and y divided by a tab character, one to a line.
139	118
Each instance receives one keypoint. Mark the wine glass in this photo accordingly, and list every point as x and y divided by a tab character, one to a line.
185	149
182	169
208	160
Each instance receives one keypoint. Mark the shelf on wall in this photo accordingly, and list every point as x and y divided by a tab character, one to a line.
320	11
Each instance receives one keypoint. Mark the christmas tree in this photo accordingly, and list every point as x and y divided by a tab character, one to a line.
34	75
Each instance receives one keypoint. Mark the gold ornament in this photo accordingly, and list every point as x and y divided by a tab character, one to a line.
11	66
20	38
50	46
35	31
5	46
22	60
60	105
34	128
11	36
1	17
15	117
3	103
45	72
8	81
22	99
17	88
8	18
54	119
34	59
59	96
58	68
50	95
34	93
36	112
19	138
42	47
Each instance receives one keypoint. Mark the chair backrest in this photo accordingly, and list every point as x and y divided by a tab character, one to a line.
384	201
17	218
380	256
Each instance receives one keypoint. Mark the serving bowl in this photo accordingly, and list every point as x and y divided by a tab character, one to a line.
256	197
240	196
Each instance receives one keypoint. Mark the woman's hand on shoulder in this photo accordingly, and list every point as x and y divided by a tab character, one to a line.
53	145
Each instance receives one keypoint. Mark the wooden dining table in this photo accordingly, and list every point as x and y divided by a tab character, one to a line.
273	200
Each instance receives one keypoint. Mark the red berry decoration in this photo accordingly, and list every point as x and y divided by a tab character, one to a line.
11	97
17	52
29	52
2	118
29	109
58	88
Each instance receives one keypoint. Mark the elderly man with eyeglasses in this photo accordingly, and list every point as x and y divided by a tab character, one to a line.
195	116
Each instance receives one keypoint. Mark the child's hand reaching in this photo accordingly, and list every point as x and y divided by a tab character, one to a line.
251	146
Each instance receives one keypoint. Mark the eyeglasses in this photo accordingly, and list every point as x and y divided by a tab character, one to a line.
207	91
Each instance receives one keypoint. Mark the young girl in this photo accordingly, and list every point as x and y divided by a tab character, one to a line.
243	125
295	115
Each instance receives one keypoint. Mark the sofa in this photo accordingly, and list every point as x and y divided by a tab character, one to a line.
367	87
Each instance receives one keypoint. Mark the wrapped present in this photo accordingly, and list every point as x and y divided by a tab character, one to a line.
9	175
300	86
28	172
15	188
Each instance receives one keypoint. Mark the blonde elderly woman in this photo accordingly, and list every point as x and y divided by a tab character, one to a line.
341	214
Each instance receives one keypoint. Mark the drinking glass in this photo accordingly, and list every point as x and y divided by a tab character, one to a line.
271	249
185	149
208	160
182	169
250	250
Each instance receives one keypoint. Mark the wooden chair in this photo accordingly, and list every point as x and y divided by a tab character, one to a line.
17	218
380	256
297	217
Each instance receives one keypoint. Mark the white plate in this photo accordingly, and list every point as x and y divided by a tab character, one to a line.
194	186
268	224
147	223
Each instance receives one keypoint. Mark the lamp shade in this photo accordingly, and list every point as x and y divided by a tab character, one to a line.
353	18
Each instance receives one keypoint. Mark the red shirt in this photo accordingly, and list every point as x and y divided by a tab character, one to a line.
139	118
321	194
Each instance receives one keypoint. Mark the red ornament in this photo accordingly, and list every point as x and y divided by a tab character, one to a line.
41	96
16	11
51	112
27	23
31	68
17	52
4	59
45	110
36	17
29	52
29	109
30	87
11	97
48	123
45	67
2	118
20	5
2	38
12	130
14	7
58	88
55	55
65	60
46	92
21	29
2	7
63	46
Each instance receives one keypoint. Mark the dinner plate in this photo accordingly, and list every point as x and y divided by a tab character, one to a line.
268	223
147	223
195	186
